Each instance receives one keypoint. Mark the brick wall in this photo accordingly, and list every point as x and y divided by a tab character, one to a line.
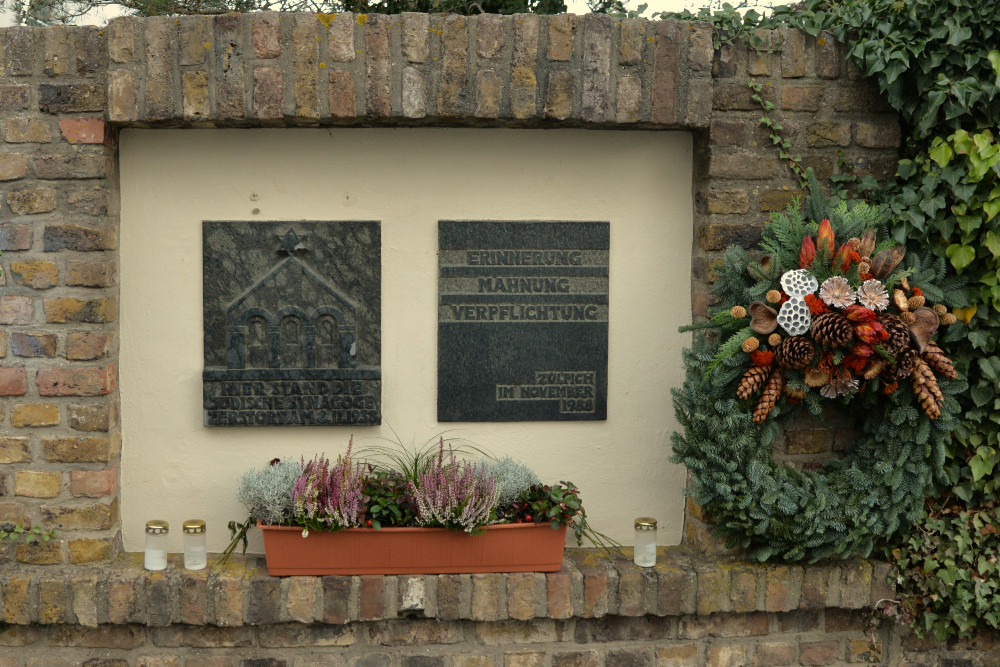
64	92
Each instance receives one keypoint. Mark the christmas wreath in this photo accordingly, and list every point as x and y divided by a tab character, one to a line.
835	317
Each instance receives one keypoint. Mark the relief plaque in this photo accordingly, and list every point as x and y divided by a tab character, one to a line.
522	321
292	317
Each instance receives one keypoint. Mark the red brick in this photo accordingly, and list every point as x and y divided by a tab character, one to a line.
372	597
76	381
85	346
33	345
342	96
82	130
13	382
560	591
94	483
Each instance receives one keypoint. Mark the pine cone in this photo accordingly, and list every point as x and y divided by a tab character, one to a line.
772	391
752	380
794	352
906	362
899	333
936	359
925	386
832	330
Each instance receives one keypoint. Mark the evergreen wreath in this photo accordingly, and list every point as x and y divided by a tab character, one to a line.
853	343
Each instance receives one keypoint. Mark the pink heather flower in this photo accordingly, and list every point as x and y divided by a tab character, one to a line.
330	495
454	494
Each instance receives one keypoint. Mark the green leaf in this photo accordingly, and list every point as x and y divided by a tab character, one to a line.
992	239
941	152
960	255
994	58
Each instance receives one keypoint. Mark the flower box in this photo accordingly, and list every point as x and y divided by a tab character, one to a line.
516	547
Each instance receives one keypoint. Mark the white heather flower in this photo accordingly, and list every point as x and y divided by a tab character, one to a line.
305	532
872	295
837	292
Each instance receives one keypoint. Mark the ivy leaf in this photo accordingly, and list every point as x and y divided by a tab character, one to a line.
992	239
994	58
941	152
960	255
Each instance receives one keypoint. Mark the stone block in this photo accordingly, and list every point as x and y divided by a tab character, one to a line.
123	96
266	31
32	201
378	67
291	635
52	597
13	97
15	450
559	95
161	48
342	94
205	637
632	41
15	237
418	632
37	484
819	653
96	516
34	414
194	39
27	131
15	592
70	98
598	31
666	66
414	86
267	93
793	54
195	95
784	587
416	31
731	655
490	35
68	310
84	551
336	599
523	92
629	102
340	34
677	655
828	56
93	417
802	98
562	29
305	67
121	39
877	134
526	30
489	89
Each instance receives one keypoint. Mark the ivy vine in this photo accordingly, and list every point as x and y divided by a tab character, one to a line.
938	65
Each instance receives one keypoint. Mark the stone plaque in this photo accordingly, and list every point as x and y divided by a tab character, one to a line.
523	321
292	317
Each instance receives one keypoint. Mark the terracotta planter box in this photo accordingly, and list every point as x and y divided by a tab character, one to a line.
502	548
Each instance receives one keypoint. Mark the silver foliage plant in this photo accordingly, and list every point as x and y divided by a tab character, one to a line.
512	477
267	493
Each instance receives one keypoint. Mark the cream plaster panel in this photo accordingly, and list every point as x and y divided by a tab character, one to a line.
173	468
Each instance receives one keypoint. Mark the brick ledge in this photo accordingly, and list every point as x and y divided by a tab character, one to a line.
591	584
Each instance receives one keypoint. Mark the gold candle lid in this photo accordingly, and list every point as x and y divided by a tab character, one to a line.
157	527
194	526
645	523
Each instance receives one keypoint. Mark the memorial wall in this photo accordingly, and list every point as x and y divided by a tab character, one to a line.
503	287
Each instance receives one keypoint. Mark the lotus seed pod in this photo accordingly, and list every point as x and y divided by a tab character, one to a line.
917	302
750	344
773	296
940	309
794	316
799	282
774	339
948	318
738	312
908	317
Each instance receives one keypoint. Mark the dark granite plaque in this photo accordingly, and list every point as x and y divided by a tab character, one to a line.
292	323
523	321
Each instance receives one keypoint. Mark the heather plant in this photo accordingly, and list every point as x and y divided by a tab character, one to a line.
329	496
512	477
454	494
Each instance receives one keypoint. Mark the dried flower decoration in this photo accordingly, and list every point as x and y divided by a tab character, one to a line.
872	295
837	292
839	387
